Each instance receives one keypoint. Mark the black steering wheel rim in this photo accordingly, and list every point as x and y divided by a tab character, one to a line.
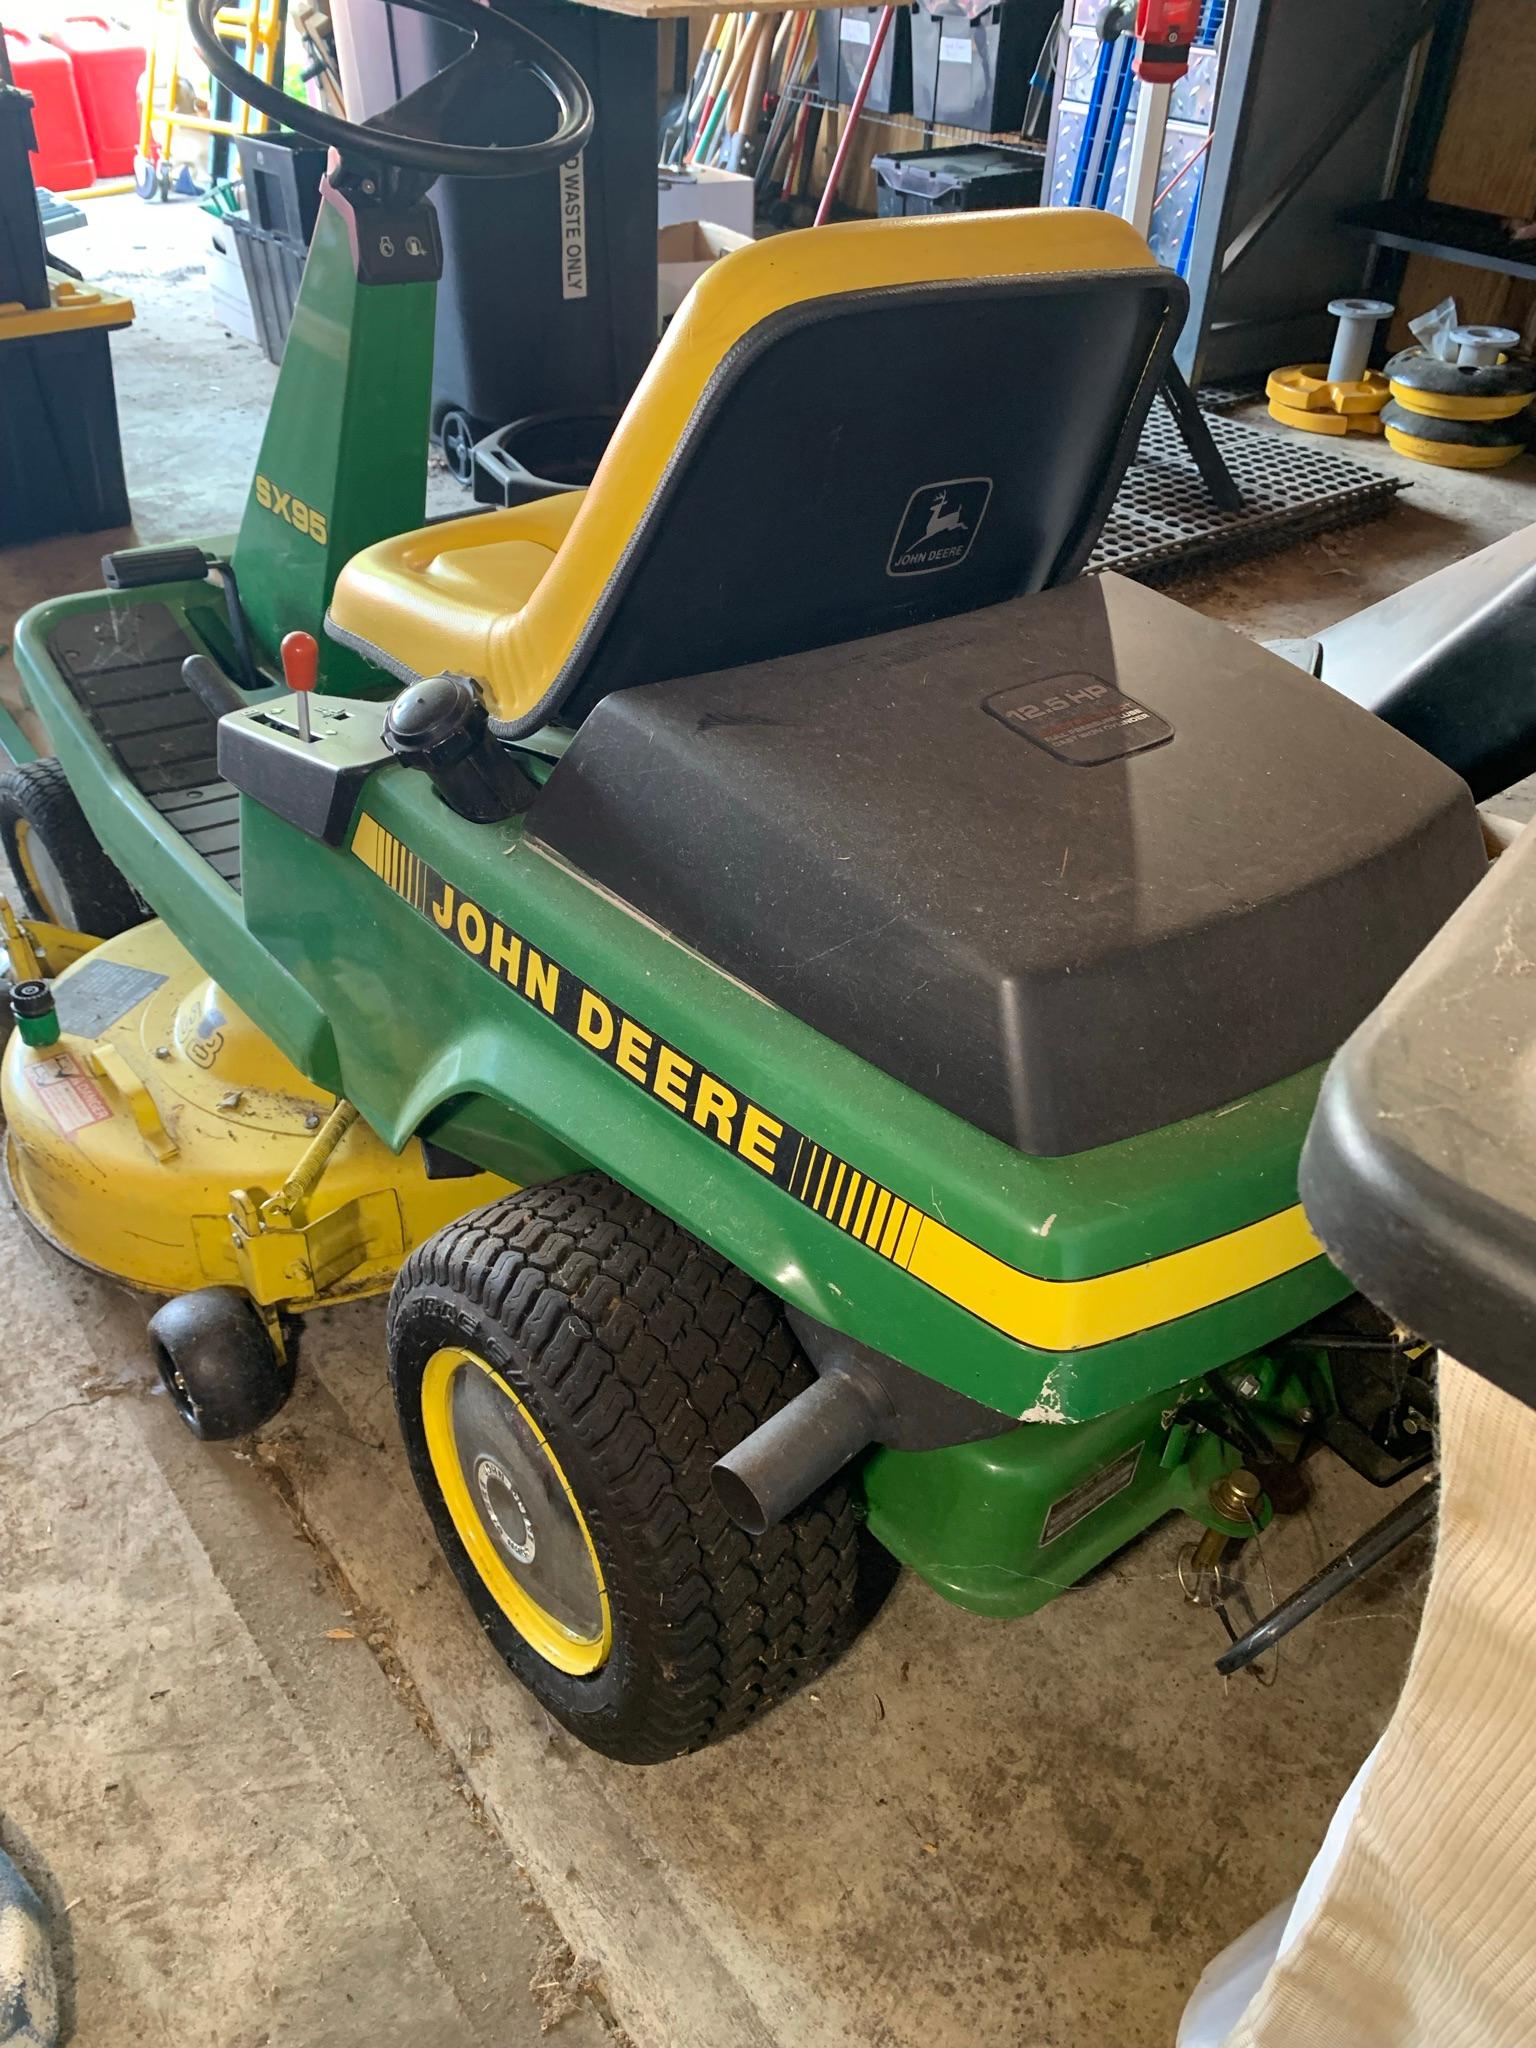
488	31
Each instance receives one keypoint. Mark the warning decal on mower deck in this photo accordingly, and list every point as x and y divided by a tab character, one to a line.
1050	1315
68	1093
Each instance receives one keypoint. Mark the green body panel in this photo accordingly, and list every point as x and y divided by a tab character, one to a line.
198	905
14	744
424	1029
365	995
346	439
1002	1526
973	1519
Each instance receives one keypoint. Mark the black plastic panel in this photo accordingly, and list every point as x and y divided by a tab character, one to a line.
314	783
123	666
1063	953
1420	1171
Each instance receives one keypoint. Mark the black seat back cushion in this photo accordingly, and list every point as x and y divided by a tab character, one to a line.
877	459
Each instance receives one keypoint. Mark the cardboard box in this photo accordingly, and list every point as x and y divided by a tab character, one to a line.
722	197
684	252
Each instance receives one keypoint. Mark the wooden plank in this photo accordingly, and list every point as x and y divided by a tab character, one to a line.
1486	158
699	10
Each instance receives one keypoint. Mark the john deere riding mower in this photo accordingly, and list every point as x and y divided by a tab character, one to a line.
819	1000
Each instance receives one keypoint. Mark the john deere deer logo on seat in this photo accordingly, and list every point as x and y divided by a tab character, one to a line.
939	526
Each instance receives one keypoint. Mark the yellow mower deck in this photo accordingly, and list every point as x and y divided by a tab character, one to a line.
165	1141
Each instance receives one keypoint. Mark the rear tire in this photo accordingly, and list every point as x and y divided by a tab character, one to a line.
62	873
635	1357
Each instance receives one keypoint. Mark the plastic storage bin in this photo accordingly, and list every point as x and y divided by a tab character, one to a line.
282	176
541	457
23	262
227	288
109	63
61	462
974	71
975	177
843	37
274	269
62	158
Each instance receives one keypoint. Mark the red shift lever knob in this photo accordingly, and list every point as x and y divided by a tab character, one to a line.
301	660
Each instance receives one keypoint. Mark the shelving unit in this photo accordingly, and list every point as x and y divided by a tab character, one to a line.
1456	234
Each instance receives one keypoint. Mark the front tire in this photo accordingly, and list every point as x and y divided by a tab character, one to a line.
64	876
567	1366
218	1362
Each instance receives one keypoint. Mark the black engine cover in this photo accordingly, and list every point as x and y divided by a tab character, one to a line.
1076	866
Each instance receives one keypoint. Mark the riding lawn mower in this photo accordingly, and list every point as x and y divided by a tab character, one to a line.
810	1003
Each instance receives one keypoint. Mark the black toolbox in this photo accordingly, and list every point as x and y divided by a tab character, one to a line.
273	267
843	39
282	174
61	462
975	177
971	67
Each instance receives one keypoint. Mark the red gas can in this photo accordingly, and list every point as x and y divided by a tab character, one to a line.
62	159
109	63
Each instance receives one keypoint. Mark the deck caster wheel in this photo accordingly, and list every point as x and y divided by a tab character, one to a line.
219	1362
64	876
567	1366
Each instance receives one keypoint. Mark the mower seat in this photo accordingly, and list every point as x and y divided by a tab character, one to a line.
843	432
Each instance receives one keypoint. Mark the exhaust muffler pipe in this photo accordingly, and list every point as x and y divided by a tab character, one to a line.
811	1439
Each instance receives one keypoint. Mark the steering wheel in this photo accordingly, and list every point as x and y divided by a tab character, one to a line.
395	136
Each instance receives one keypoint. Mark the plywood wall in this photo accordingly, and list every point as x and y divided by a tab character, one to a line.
1486	159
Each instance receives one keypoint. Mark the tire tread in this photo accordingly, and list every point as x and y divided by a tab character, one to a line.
658	1356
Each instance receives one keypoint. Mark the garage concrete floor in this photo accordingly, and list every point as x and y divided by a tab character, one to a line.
255	1753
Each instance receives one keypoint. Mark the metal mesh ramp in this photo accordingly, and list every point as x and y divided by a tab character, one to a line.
1163	518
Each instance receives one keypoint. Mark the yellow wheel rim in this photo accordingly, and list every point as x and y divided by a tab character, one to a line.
515	1512
37	872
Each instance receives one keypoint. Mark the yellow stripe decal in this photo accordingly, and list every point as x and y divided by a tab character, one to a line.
1048	1315
893	1224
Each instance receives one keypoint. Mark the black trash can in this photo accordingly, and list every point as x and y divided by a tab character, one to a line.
542	456
548	297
